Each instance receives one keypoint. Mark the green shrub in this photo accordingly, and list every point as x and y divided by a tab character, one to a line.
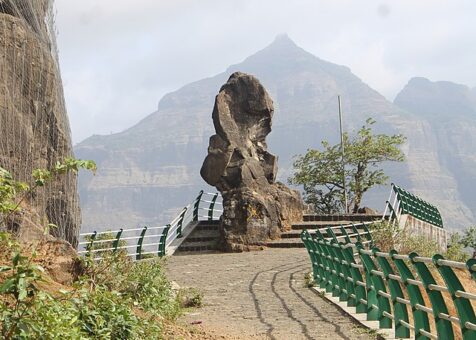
387	237
190	297
456	250
115	298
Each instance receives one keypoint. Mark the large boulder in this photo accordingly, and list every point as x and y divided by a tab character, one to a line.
255	207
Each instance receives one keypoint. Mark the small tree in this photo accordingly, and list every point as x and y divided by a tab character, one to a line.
469	239
322	175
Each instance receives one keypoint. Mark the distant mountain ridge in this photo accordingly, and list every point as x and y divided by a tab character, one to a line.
150	170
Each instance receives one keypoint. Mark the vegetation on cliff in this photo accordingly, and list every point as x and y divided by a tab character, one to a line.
114	298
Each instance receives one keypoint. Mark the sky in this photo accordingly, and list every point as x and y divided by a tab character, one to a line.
118	58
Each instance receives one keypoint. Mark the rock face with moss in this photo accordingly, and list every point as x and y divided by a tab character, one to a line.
255	207
34	127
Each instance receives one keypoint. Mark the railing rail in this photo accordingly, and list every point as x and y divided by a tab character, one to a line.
401	202
206	206
415	295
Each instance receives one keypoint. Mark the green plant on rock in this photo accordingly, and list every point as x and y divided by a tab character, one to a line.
13	192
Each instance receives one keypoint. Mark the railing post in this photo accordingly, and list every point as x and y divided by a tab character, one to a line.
470	264
463	305
163	241
139	244
443	327
334	276
348	282
196	206
354	229
327	282
341	281
344	232
331	233
374	284
399	309
115	244
324	270
212	206
368	235
89	247
360	292
307	240
180	222
420	318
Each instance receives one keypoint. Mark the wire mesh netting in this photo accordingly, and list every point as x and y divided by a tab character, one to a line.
34	127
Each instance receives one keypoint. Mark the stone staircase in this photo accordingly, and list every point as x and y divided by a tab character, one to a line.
291	239
204	238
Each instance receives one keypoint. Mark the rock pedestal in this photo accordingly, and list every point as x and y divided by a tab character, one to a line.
255	207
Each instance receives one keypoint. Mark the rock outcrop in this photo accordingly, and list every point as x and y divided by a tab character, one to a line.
34	127
255	208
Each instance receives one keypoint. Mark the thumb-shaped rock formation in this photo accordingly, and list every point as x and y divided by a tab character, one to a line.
255	207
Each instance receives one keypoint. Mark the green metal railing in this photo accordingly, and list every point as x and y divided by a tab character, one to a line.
150	240
399	291
404	202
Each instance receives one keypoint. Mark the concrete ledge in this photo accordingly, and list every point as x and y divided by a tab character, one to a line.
172	248
360	318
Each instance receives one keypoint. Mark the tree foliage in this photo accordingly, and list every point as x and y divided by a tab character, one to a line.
322	175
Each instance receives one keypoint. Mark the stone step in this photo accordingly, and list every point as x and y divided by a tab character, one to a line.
199	239
207	226
285	243
291	234
196	252
204	233
198	246
317	224
342	217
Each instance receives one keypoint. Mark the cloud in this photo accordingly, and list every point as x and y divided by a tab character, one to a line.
119	57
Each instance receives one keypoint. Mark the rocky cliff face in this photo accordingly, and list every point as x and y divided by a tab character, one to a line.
255	208
442	160
34	128
148	172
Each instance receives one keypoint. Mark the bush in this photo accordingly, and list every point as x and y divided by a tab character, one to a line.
387	237
190	297
114	299
144	282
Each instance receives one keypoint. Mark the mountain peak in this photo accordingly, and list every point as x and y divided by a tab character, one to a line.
283	40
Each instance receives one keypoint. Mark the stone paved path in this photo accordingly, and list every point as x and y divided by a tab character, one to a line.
260	295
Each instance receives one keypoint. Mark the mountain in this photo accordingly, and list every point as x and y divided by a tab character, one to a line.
149	171
449	111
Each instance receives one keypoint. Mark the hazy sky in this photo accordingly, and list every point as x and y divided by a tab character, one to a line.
118	57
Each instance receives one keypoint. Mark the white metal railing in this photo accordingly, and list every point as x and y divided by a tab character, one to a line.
206	206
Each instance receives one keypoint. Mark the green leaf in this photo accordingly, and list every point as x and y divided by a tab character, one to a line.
7	286
5	268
